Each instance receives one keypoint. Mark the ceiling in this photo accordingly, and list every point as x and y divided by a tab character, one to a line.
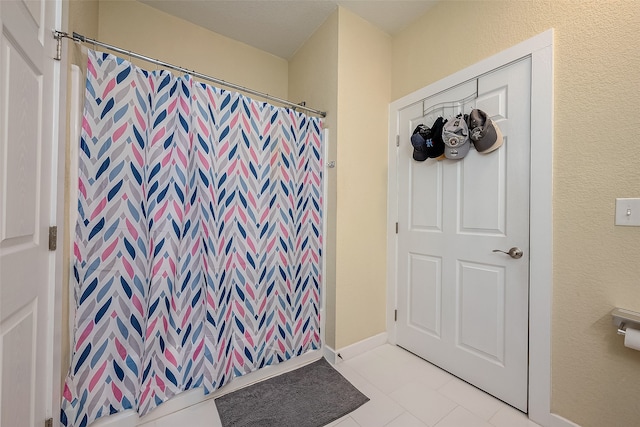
282	26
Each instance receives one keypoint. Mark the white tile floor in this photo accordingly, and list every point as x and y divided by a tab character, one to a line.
404	391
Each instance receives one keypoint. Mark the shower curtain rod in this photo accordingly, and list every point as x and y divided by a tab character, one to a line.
58	35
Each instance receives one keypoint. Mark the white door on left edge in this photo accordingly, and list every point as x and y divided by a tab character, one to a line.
462	306
27	138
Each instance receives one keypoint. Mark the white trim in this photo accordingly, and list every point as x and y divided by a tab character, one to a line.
75	124
541	236
392	216
558	421
325	199
356	349
540	48
330	354
361	347
58	153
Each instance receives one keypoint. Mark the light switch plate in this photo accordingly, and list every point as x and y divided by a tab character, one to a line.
628	212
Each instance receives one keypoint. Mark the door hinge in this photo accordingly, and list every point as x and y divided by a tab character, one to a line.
395	315
53	238
396	228
48	422
397	140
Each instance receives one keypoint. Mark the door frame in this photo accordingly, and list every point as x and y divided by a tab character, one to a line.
540	49
58	178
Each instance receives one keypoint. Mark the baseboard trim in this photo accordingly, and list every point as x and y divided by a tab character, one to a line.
558	421
330	354
360	347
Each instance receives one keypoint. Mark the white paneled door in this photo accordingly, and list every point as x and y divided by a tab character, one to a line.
27	199
461	305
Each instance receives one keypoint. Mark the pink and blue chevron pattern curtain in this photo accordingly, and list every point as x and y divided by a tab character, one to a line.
198	244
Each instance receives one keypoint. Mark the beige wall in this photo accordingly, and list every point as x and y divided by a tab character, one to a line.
335	71
141	28
83	17
364	74
313	77
595	379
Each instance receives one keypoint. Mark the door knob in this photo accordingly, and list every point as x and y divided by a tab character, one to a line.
513	252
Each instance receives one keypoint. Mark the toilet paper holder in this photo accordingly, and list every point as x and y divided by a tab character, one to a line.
624	319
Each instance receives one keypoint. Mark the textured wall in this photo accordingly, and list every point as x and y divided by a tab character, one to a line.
141	28
595	380
313	77
83	17
364	75
345	69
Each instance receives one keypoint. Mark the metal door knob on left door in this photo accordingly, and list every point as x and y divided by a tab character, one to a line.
513	252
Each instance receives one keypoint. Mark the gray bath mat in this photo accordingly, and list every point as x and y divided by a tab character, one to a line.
311	396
